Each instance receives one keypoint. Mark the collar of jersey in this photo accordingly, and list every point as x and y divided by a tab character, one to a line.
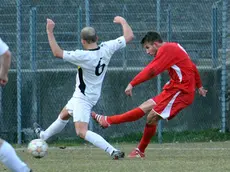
94	49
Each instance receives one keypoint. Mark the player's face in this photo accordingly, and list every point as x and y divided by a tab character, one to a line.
150	48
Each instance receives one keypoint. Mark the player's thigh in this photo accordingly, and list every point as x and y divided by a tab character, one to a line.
147	105
170	103
64	114
153	117
181	102
81	128
80	109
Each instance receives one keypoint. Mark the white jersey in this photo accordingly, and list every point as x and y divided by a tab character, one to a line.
3	47
92	66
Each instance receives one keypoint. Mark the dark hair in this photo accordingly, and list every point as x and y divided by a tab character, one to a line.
151	37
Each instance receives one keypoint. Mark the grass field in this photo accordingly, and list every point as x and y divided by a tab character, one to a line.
176	157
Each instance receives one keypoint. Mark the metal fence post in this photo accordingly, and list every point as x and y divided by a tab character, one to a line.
79	26
159	129
169	33
124	52
19	74
1	110
87	13
224	67
33	21
214	36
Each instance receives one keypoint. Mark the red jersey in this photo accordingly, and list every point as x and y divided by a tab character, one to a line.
183	73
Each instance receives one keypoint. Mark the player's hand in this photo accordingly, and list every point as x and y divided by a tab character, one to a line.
3	79
50	26
3	82
119	19
128	90
202	91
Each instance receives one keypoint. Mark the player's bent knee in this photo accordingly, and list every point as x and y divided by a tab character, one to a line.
153	118
81	129
147	105
64	115
81	134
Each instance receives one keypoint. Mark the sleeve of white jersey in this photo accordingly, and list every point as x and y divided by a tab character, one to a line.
75	57
116	44
3	47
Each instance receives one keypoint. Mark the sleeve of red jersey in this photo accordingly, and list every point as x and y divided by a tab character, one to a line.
197	77
161	62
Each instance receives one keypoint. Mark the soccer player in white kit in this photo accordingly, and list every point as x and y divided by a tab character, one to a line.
8	155
92	65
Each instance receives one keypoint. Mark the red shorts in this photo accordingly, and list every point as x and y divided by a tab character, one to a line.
170	102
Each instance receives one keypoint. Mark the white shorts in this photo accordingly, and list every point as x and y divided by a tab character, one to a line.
3	47
80	109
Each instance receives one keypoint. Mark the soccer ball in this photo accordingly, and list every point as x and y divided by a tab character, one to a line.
38	148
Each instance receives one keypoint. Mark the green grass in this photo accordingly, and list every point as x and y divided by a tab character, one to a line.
168	137
167	157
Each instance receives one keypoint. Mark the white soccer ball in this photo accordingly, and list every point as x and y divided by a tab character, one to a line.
38	148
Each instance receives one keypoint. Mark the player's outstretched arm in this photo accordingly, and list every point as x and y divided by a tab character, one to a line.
57	51
5	61
201	89
127	30
197	77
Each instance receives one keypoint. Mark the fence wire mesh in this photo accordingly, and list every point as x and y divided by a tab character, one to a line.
48	83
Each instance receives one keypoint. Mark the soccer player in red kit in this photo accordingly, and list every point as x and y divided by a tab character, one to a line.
177	94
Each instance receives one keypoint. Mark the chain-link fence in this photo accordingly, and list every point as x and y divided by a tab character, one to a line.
40	85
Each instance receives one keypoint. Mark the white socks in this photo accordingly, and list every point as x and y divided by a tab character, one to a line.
9	158
99	141
56	127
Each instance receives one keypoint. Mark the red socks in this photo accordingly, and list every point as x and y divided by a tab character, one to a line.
149	132
134	115
129	116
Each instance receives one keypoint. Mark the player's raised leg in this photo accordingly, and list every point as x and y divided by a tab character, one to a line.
132	115
168	104
56	127
163	106
10	159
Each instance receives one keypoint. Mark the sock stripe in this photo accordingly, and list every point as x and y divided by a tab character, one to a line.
98	117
